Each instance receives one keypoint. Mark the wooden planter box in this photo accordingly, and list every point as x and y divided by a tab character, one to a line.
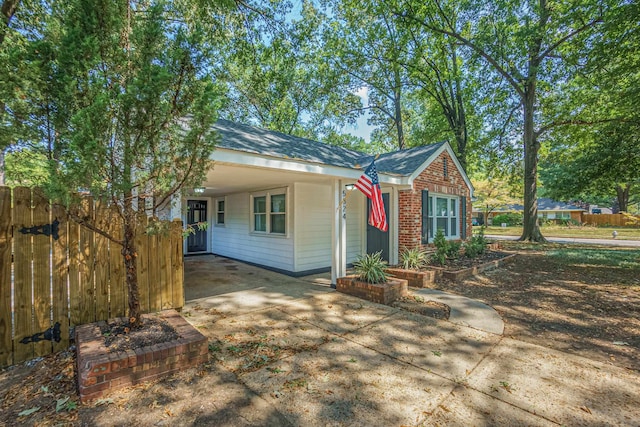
100	371
415	279
384	293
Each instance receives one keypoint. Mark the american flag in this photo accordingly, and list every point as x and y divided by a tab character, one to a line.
368	183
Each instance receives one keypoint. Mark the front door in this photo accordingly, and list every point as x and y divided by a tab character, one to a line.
197	213
378	240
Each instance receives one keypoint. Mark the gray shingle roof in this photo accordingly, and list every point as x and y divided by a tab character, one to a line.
236	136
405	162
240	137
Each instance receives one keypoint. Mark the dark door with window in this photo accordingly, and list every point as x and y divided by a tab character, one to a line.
378	240
197	213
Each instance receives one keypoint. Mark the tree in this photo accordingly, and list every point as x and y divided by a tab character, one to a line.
491	194
597	158
532	47
277	76
364	41
134	105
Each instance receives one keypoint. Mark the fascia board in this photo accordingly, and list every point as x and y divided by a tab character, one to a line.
227	156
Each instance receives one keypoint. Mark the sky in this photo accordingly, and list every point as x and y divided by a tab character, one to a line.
361	129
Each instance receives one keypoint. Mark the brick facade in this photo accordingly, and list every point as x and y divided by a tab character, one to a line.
410	201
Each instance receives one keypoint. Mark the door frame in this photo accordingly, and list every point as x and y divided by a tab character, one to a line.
209	219
392	221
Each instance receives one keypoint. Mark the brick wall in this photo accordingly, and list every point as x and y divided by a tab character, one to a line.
433	180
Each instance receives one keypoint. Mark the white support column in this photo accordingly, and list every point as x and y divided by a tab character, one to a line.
176	207
394	224
338	234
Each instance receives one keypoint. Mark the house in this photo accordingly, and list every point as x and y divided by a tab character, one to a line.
288	203
548	209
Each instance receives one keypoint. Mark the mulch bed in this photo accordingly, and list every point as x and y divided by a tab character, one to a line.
466	262
119	337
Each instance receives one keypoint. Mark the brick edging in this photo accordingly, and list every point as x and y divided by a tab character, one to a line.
100	371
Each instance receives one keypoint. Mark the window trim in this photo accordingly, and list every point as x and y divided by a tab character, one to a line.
433	219
267	194
218	211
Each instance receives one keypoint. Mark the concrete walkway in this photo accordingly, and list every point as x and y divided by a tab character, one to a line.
466	311
346	361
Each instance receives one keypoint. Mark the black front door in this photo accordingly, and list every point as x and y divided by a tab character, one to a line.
378	240
197	213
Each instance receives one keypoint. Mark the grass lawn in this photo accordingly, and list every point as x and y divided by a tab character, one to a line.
575	232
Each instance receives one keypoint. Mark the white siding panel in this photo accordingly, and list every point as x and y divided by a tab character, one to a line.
356	218
235	240
313	218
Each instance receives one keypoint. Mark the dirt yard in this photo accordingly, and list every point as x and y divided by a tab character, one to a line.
584	301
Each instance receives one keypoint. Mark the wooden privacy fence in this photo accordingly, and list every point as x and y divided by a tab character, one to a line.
614	220
55	274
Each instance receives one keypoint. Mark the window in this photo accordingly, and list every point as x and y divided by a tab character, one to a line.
444	167
443	215
220	211
260	213
269	211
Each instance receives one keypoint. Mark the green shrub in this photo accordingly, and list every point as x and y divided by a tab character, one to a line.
476	246
453	249
509	218
370	268
413	259
439	241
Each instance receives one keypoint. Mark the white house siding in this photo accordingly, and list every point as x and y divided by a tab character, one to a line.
235	239
356	205
312	231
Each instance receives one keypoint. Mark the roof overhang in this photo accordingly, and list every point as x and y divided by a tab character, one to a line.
239	158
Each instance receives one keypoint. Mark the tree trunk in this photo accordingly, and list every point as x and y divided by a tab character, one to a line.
622	194
9	8
2	166
531	227
129	253
397	101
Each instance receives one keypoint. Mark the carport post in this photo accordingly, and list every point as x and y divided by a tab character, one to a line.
338	233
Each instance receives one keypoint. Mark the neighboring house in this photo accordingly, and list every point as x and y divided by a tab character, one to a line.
287	203
548	209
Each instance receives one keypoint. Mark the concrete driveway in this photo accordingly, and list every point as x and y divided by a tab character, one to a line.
357	363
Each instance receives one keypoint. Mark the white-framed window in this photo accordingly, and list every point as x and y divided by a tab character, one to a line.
221	205
269	212
444	215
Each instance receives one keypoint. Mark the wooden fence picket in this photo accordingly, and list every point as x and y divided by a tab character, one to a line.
6	244
60	271
23	316
41	271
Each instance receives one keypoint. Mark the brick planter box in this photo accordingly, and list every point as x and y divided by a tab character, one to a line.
467	272
415	279
384	293
100	371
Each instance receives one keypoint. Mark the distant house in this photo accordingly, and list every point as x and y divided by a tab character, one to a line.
548	209
288	203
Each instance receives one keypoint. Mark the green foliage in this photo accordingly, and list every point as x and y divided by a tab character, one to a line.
509	218
453	249
476	246
622	258
27	168
413	258
370	268
441	244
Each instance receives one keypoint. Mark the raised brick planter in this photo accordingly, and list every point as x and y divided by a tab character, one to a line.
415	279
100	371
467	272
384	293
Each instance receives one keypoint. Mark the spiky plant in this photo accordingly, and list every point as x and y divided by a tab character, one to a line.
370	268
413	258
